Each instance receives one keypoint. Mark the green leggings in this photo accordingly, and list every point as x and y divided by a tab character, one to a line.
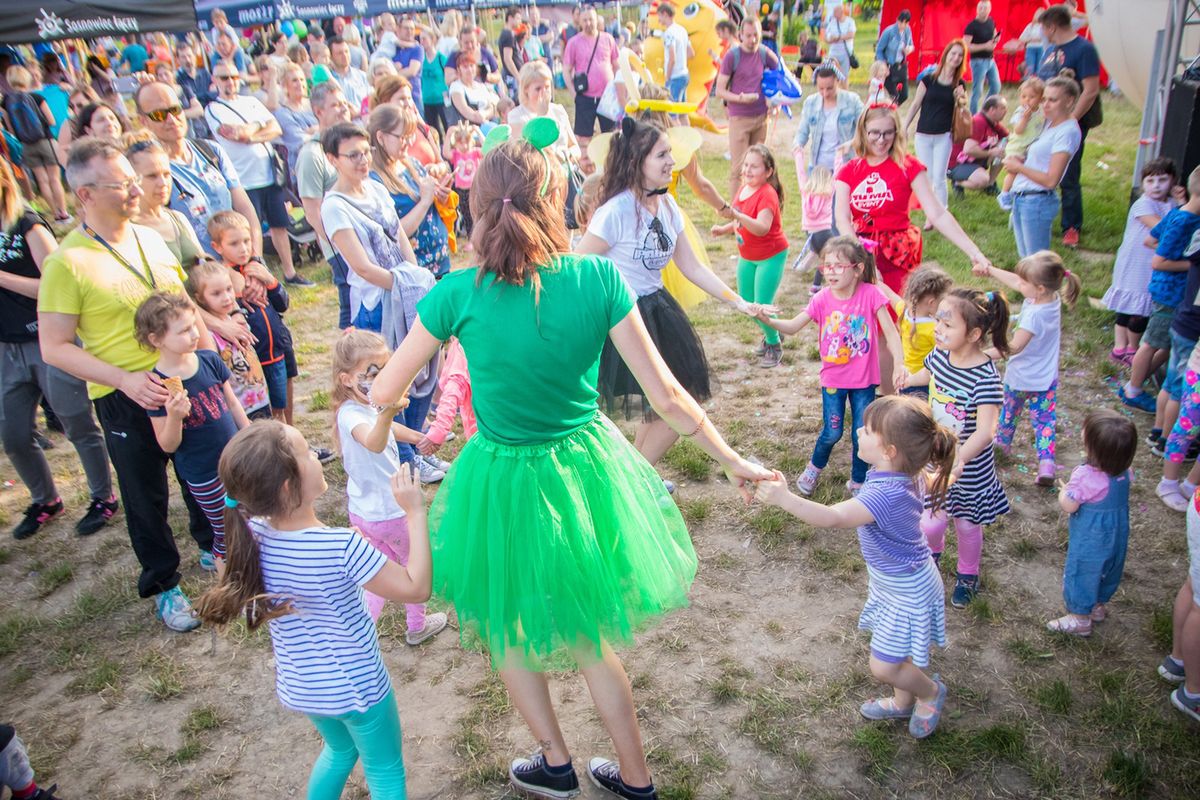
757	283
374	735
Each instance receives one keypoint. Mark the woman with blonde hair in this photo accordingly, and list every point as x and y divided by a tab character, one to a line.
535	91
25	241
393	129
29	119
451	24
294	113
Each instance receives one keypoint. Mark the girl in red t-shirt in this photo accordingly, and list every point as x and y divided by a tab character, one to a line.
874	192
762	247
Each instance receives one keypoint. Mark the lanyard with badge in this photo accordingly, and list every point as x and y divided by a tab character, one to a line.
147	279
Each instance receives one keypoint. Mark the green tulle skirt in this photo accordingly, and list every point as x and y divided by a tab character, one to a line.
548	550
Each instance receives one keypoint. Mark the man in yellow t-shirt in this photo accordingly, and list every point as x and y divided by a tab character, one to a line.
91	288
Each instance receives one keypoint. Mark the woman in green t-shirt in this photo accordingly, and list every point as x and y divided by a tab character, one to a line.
553	537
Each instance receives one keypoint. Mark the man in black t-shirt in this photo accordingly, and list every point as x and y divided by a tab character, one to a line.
511	56
981	36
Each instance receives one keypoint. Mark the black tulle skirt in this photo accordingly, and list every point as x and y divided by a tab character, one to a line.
680	347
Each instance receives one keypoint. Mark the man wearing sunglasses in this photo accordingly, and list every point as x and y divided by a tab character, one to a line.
204	179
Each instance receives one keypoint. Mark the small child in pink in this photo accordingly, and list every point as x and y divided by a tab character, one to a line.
464	151
455	383
816	220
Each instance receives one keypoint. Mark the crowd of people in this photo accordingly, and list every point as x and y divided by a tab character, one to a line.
154	334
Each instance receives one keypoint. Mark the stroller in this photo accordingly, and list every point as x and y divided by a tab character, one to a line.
301	236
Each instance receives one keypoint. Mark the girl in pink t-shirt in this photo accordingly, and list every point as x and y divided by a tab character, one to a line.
851	314
464	151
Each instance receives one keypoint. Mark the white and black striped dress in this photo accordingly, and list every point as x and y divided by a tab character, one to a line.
955	394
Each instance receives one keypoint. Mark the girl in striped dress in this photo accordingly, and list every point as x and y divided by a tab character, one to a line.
306	581
965	395
906	605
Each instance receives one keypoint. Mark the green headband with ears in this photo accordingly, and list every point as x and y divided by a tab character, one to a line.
540	132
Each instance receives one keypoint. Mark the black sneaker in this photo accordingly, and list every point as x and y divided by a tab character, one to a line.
43	441
37	515
607	776
992	190
46	794
298	280
97	516
530	776
1159	449
324	454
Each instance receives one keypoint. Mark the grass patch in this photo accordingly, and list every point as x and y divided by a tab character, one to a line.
730	685
962	751
318	400
1023	549
474	741
52	579
1161	628
981	610
1053	697
878	748
102	677
688	460
196	729
837	563
1026	652
1128	774
164	675
696	509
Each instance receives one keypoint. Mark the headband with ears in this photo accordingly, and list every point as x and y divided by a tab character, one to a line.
540	133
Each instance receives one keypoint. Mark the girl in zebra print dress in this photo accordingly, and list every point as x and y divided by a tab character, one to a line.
906	604
965	395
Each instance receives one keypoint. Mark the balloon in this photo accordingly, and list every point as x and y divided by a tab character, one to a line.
300	28
766	9
248	33
320	74
287	28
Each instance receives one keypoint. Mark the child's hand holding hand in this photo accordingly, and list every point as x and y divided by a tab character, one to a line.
741	473
762	311
406	488
900	377
981	270
773	491
259	273
956	471
427	446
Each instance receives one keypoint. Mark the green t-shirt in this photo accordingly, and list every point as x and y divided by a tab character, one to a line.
533	365
83	279
315	176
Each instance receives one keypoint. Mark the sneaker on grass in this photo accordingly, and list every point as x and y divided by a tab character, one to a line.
175	610
606	775
434	624
98	515
536	778
37	515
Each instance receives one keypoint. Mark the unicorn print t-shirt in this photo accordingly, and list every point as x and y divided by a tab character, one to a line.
640	243
880	194
849	336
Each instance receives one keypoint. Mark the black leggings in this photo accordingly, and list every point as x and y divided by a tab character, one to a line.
1134	323
435	117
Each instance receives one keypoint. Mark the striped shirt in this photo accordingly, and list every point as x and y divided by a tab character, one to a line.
893	543
327	659
955	395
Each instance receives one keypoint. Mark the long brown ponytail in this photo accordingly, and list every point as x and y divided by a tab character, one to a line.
986	312
260	473
907	424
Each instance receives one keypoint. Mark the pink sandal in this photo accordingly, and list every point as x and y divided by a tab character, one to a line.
1099	613
1071	625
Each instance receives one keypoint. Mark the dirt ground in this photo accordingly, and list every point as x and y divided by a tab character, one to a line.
752	691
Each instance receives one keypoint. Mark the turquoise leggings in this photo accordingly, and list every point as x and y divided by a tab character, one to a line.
374	735
757	283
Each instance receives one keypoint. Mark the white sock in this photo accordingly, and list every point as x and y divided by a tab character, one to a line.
1167	486
1176	661
1187	488
1131	390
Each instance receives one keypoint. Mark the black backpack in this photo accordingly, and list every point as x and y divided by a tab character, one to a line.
25	116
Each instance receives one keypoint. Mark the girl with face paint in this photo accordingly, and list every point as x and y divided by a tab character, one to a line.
367	436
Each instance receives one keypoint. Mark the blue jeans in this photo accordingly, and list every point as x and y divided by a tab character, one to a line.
983	70
413	416
340	271
678	86
1032	218
276	376
1033	60
1181	351
833	408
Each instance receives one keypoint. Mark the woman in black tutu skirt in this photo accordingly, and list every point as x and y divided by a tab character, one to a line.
639	226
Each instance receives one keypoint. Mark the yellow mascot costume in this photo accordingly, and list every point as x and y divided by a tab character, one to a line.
699	18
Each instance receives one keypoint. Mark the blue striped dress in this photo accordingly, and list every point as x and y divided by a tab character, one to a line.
906	604
327	659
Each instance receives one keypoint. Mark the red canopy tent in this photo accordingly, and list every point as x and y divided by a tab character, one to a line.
935	22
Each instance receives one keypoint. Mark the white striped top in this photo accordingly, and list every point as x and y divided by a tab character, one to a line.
327	659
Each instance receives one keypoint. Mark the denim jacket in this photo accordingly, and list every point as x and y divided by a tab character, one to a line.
890	47
849	109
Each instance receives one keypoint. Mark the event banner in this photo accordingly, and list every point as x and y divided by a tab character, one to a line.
28	21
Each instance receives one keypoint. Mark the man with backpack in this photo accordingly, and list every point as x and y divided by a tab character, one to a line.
29	120
739	84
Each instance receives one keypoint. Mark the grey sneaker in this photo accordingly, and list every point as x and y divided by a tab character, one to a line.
434	624
437	463
808	480
428	472
1188	705
771	356
1169	670
175	610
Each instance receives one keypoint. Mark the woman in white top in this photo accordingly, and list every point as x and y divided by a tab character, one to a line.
639	226
361	222
1035	199
535	88
474	101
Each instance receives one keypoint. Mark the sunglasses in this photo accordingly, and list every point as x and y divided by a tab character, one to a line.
226	77
161	114
664	241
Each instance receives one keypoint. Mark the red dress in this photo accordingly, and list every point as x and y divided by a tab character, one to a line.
880	197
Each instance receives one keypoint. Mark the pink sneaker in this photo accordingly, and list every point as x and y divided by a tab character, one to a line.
1045	473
